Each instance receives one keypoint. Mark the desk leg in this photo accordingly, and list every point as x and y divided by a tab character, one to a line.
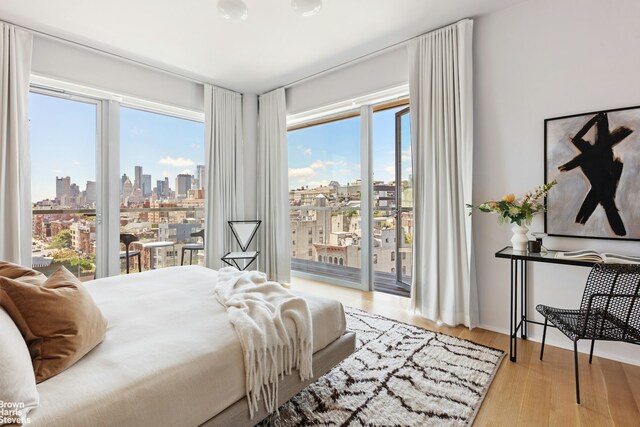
513	307
523	297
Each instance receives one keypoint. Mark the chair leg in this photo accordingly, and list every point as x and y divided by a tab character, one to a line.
544	336
190	257
127	255
575	357
182	257
591	352
139	262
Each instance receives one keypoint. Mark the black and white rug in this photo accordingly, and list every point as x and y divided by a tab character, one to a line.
399	375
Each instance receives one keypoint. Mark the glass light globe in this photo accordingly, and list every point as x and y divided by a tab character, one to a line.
306	7
233	10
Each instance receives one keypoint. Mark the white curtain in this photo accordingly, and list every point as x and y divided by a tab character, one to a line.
15	160
223	167
273	192
440	86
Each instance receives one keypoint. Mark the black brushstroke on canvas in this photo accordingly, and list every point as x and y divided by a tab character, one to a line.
602	169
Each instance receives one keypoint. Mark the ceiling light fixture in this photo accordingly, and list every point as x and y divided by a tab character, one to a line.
306	7
233	10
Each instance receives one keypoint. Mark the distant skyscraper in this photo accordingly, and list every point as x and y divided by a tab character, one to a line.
183	184
63	190
160	189
137	183
127	189
122	181
90	192
200	175
166	189
146	185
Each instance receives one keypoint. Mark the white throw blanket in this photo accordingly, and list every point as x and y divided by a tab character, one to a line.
258	309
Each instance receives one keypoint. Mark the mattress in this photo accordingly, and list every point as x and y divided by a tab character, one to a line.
170	356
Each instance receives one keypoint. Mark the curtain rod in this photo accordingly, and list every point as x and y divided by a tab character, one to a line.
114	55
367	55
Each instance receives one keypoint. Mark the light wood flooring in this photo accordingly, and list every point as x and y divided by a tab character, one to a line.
529	392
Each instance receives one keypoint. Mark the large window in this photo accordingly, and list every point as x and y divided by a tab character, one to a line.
63	183
324	194
158	197
326	184
161	186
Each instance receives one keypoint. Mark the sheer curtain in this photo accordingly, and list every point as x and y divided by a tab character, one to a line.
15	161
223	167
273	192
440	86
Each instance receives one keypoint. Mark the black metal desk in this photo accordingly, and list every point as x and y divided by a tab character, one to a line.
519	277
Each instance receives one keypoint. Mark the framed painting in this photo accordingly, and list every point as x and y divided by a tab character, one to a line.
595	157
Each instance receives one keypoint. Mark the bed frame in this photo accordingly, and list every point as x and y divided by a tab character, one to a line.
323	361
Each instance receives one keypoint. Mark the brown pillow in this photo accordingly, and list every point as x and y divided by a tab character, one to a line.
23	274
59	320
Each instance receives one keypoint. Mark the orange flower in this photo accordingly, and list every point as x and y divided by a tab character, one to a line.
493	204
509	198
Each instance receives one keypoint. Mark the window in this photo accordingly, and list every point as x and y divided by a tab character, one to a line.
161	184
293	254
310	252
63	183
375	258
324	192
393	256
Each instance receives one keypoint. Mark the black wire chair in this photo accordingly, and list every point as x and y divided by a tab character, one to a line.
126	240
610	311
191	247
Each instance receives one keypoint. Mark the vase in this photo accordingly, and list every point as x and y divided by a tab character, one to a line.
519	239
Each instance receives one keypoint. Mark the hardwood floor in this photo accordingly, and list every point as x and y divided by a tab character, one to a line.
529	392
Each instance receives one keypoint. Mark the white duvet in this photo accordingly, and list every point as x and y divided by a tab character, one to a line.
170	356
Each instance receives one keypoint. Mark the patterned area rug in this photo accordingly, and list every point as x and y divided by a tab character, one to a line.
399	375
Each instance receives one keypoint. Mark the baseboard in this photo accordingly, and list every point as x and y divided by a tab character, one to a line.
567	345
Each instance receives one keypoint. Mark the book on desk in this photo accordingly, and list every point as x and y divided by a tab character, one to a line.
596	257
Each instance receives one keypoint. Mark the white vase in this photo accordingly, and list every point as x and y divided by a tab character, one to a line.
519	239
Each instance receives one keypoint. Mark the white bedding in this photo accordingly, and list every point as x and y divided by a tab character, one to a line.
170	356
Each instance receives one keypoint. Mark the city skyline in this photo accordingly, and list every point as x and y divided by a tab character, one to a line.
63	143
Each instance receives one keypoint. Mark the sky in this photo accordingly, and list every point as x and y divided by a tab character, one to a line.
63	143
331	151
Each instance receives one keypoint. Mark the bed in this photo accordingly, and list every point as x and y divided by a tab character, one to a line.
171	358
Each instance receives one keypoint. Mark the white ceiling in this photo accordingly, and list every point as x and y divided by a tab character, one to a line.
273	47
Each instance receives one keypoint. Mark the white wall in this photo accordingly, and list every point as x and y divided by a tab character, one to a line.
384	70
537	60
75	64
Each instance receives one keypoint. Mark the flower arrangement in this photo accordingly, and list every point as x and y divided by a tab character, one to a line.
517	211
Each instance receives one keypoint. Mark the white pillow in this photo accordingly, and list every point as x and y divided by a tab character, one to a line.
18	393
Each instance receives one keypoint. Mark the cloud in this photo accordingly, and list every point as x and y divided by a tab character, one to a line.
179	162
166	174
321	164
316	184
77	163
301	173
390	169
187	171
405	157
57	171
307	152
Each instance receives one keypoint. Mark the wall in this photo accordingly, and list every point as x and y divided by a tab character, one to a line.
383	70
537	60
76	64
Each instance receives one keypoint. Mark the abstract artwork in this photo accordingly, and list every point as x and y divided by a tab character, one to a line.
596	159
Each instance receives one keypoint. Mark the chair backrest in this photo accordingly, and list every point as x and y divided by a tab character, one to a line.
127	239
198	234
613	290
